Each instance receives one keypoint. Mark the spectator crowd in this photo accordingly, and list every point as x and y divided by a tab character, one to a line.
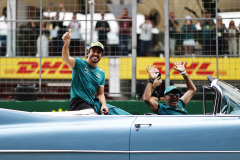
184	39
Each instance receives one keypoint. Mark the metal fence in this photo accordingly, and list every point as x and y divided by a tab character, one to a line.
207	34
198	32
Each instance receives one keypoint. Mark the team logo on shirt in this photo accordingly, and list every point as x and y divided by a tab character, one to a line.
180	108
98	75
87	70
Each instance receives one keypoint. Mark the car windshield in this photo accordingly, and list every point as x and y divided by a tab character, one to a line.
231	99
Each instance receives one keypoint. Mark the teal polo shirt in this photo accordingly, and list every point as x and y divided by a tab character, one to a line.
207	30
85	80
188	31
165	109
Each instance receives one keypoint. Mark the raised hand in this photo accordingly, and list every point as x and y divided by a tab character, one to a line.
179	66
157	82
152	71
67	36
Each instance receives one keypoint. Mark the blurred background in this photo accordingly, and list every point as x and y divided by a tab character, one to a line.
202	33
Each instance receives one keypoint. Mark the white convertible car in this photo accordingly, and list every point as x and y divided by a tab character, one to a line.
215	135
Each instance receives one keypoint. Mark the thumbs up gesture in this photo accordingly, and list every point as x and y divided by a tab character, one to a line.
67	36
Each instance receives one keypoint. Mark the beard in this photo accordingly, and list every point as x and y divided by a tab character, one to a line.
95	59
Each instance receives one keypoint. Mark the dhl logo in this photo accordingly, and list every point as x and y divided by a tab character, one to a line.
200	68
46	67
51	68
55	68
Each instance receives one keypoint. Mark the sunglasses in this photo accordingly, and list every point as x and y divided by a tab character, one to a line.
174	94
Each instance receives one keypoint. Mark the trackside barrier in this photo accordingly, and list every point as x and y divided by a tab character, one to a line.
133	107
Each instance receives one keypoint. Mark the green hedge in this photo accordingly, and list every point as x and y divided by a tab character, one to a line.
133	107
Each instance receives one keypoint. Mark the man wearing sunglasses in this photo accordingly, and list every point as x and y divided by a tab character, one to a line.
175	105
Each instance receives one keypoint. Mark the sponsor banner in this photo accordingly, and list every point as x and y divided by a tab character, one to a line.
55	68
197	68
29	68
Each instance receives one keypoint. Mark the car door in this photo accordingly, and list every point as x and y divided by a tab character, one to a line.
185	138
61	138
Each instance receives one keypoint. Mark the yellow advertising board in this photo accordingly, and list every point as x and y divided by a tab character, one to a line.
30	68
55	68
197	68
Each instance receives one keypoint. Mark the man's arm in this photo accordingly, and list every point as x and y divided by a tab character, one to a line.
97	27
100	95
153	105
154	98
190	86
158	98
175	23
65	51
191	89
120	17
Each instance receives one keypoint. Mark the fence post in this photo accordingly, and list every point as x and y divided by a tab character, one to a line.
11	35
40	54
166	38
216	16
92	4
134	47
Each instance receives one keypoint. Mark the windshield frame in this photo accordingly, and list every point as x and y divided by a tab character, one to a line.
230	98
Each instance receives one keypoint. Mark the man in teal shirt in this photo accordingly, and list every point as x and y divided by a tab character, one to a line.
174	104
172	92
87	77
208	28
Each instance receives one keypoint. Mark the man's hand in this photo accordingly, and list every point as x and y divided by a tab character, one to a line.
152	71
179	66
105	109
157	82
191	89
67	36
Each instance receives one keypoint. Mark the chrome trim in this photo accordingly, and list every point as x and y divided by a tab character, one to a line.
214	84
218	97
105	151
